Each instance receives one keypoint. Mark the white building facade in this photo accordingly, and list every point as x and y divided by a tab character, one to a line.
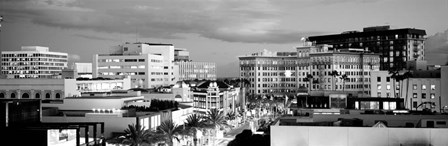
45	89
196	70
149	65
269	73
33	62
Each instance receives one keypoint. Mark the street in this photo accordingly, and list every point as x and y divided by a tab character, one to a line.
229	136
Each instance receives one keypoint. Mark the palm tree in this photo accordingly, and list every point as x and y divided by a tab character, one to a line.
406	77
308	79
168	131
136	136
193	124
395	74
334	74
215	119
344	78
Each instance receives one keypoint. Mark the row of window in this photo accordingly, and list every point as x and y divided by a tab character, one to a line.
26	95
432	95
122	67
32	59
121	73
423	87
277	79
27	68
33	55
276	85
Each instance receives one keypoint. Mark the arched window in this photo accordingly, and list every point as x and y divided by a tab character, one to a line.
13	95
25	95
2	95
58	95
37	95
47	95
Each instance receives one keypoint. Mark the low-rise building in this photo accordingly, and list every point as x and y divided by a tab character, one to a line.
102	84
215	95
45	89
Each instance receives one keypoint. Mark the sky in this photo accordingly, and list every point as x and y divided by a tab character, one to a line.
212	30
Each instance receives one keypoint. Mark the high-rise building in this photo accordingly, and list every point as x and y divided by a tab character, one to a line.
33	62
149	65
270	73
196	70
395	46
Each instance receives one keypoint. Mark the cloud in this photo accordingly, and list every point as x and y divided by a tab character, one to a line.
436	47
91	37
74	57
231	21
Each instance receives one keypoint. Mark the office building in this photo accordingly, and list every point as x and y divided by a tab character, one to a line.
33	62
149	65
270	73
196	70
395	46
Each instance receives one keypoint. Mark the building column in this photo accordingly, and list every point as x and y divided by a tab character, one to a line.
19	94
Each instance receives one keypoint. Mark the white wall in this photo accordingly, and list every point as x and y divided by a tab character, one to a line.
111	124
89	104
355	136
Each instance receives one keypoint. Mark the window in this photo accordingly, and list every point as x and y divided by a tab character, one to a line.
423	95
414	87
433	87
2	95
423	87
37	95
440	123
47	95
378	79
388	79
414	104
25	95
58	95
379	87
388	87
432	95
414	95
13	95
378	94
125	49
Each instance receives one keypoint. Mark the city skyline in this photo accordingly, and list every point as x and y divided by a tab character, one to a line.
217	31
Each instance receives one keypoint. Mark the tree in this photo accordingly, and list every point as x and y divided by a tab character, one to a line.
215	119
334	74
136	135
406	77
308	79
395	74
193	124
344	78
168	131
